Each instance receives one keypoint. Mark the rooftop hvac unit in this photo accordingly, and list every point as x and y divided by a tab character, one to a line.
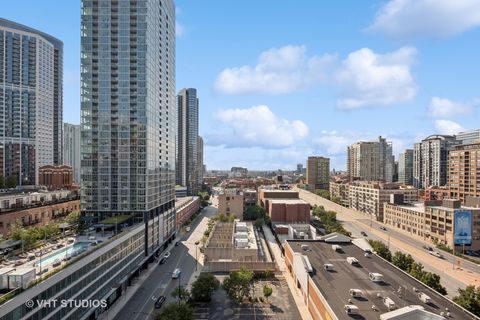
241	243
241	235
352	261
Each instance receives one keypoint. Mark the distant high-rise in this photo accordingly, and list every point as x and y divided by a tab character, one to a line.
405	167
71	148
31	81
318	173
299	168
469	137
200	160
128	114
464	171
430	158
371	161
187	140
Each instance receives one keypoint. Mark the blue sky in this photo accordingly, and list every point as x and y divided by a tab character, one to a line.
281	80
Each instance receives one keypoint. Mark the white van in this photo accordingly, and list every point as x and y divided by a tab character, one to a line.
352	260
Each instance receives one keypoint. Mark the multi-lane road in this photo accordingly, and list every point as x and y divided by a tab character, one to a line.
160	282
453	275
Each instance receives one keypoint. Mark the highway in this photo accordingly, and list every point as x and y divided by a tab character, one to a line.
160	282
464	273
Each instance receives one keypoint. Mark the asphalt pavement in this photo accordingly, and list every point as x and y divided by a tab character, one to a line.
160	282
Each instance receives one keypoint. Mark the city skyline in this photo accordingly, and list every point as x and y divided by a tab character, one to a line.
319	115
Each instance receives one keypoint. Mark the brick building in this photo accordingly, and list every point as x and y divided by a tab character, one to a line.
288	211
186	208
56	177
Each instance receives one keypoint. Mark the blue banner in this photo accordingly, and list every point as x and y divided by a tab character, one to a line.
462	229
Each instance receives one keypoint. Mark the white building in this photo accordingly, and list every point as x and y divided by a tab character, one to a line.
71	148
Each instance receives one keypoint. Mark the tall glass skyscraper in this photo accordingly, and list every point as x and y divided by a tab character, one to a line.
31	80
187	173
128	111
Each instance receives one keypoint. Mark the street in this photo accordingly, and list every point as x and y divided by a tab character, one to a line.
160	282
452	279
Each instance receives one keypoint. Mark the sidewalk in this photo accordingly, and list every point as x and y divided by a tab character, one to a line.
296	293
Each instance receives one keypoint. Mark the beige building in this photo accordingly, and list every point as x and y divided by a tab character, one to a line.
340	190
231	203
318	173
371	160
431	221
369	197
464	171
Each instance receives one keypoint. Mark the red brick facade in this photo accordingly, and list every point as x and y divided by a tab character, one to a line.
56	177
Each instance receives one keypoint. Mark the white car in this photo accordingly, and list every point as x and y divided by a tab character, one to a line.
187	229
436	254
176	273
167	255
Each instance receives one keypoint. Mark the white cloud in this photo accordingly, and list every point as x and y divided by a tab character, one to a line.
448	127
278	71
364	78
440	107
401	19
258	126
370	79
179	29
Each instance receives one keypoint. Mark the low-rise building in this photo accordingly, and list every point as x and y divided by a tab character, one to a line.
185	208
235	244
433	221
340	190
436	193
369	197
36	208
288	211
56	177
440	223
249	197
265	194
180	191
230	203
342	280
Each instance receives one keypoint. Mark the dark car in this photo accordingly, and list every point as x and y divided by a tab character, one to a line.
363	233
162	261
383	228
177	243
428	248
159	302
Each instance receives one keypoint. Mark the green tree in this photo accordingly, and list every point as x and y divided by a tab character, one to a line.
416	270
204	287
181	293
253	213
469	298
267	292
433	281
323	193
381	249
237	284
11	182
259	222
177	311
73	218
402	260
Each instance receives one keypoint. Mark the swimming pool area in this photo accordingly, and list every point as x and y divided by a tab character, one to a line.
66	252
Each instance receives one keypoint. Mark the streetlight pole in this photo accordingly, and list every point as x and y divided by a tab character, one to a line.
196	259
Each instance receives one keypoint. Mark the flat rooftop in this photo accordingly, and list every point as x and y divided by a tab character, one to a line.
417	206
335	285
288	201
